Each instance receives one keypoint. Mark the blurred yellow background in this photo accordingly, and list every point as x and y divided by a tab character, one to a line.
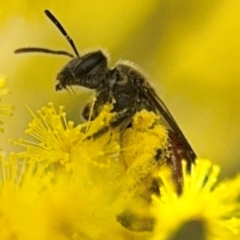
189	49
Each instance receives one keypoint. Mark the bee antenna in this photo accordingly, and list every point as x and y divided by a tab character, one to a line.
62	30
42	50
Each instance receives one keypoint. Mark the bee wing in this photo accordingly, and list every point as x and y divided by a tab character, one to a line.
152	96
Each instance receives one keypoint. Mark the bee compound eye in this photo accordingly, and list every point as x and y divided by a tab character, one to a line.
89	62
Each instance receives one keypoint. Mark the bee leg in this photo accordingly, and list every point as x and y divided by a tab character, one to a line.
89	112
135	222
121	121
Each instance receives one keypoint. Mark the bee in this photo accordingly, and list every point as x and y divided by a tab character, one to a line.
124	86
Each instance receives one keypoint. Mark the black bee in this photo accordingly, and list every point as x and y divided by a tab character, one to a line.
124	86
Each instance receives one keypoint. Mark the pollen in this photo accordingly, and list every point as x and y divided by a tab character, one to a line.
53	138
53	134
141	145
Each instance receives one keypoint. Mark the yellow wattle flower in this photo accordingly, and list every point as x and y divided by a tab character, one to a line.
75	178
65	185
211	209
91	181
56	137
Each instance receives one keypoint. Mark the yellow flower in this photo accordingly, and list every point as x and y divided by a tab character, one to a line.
72	179
85	183
80	200
56	137
204	210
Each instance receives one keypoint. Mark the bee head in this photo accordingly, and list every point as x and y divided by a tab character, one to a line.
87	71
